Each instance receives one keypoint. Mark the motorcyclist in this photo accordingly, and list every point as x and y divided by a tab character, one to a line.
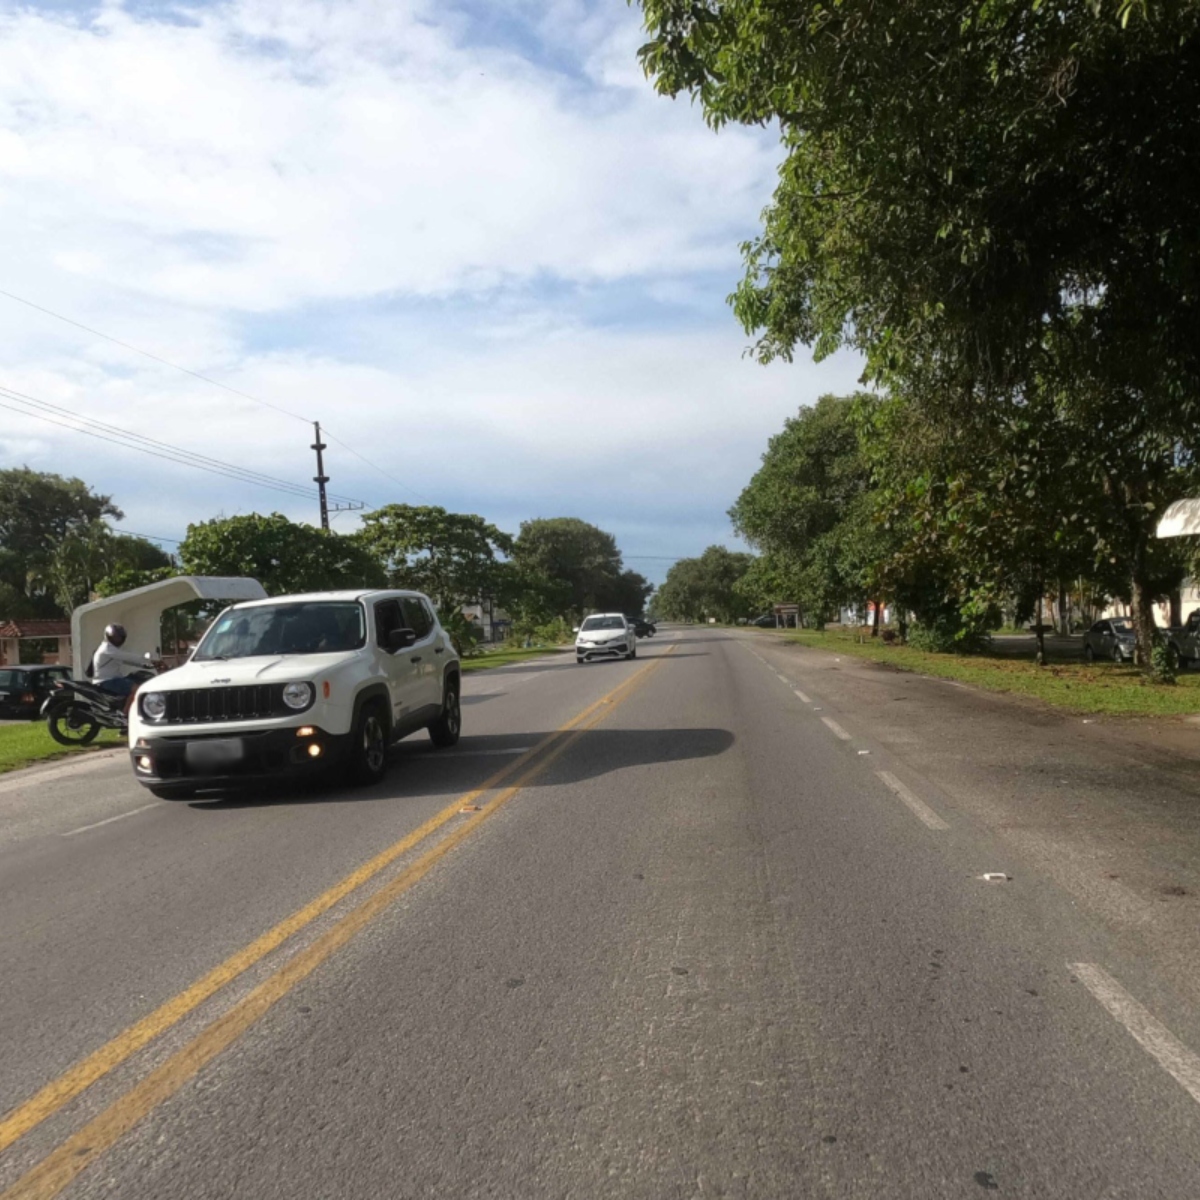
111	664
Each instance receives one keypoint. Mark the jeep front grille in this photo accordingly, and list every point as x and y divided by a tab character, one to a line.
246	702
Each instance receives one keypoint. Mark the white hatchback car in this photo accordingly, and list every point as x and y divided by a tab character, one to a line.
605	635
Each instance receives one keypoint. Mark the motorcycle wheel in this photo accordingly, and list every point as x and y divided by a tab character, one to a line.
70	726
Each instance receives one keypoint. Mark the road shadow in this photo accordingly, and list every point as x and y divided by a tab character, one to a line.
417	769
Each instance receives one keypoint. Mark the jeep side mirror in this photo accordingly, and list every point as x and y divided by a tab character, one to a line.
401	639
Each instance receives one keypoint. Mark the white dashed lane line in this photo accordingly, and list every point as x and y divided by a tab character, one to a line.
109	820
916	805
801	695
836	729
1151	1034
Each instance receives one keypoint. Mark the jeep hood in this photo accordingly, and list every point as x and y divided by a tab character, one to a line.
267	668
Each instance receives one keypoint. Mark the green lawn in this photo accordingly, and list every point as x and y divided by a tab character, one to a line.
1098	688
21	745
498	658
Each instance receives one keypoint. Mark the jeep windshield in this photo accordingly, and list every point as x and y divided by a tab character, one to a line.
304	627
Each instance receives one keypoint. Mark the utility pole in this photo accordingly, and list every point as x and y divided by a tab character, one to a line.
320	478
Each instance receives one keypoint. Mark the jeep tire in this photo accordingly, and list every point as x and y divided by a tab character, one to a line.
369	746
445	729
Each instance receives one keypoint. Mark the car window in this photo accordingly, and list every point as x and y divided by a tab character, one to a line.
387	618
12	679
602	623
295	627
416	616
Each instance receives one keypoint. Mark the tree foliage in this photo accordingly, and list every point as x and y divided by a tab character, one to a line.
454	558
47	522
698	588
282	555
577	567
990	201
810	510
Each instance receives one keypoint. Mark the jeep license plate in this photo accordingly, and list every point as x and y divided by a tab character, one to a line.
212	757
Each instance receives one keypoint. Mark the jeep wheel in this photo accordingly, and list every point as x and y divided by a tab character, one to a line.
368	747
445	730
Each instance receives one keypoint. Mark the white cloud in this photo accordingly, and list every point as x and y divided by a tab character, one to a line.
473	241
269	154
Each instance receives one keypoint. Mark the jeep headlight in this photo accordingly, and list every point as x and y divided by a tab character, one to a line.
297	695
154	706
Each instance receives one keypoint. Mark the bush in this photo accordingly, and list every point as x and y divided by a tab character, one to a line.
949	633
1164	660
545	633
463	633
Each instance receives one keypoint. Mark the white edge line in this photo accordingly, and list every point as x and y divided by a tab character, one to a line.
917	806
1151	1034
109	820
801	695
836	728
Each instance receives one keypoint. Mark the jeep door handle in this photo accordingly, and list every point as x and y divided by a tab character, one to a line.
440	650
415	658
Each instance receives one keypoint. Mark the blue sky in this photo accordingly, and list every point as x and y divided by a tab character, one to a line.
469	238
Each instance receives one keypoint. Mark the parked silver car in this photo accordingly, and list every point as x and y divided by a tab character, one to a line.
1112	638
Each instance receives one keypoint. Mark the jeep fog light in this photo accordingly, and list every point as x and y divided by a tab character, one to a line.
314	751
145	763
297	695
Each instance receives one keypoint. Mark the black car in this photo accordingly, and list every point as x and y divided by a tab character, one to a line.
23	689
766	621
642	627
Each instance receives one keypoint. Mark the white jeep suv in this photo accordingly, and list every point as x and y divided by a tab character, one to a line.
605	635
293	684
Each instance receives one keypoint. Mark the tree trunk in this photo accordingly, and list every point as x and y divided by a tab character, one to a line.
1176	608
1040	631
875	620
1064	609
1143	611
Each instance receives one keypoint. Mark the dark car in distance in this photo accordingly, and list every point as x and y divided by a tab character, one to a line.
1112	638
23	689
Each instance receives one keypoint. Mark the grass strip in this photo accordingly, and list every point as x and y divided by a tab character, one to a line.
1076	686
22	745
500	658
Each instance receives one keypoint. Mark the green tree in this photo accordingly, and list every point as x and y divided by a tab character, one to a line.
990	201
582	559
282	555
38	513
810	510
455	558
708	586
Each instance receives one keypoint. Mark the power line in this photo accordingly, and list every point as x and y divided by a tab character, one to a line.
376	466
41	411
150	537
153	357
214	382
125	434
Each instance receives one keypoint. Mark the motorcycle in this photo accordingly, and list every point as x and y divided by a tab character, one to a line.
76	711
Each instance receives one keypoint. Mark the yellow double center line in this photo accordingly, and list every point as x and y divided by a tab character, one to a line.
59	1167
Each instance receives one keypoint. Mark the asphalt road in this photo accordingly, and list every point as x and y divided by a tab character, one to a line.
710	934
